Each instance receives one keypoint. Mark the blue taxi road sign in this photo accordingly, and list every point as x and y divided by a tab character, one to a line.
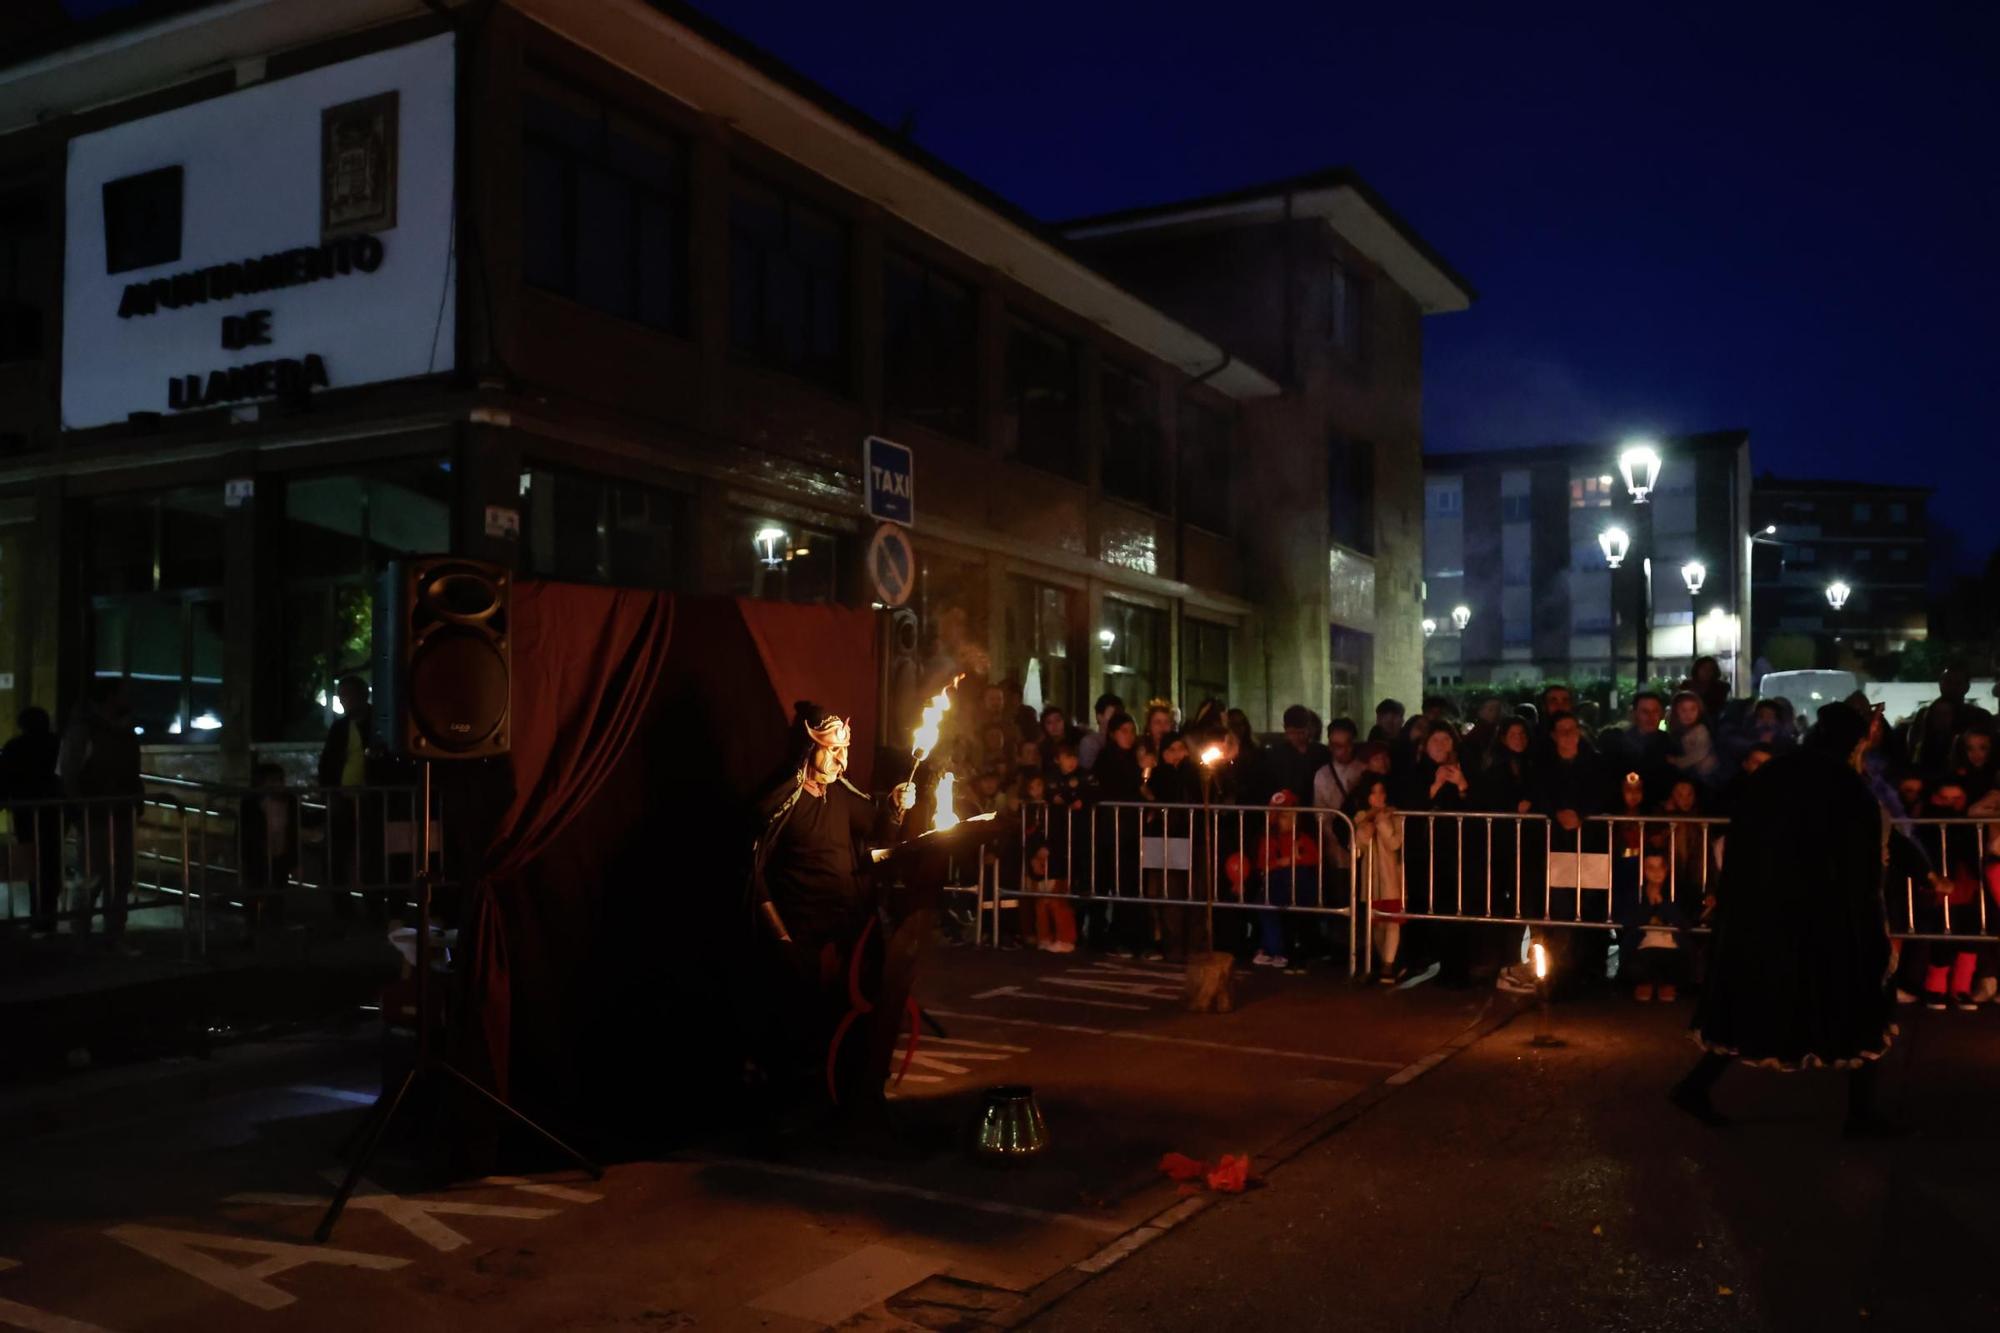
890	481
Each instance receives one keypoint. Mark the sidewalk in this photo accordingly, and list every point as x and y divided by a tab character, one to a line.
1516	1187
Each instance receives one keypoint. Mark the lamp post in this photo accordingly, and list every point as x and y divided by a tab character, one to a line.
1461	616
1837	594
1639	464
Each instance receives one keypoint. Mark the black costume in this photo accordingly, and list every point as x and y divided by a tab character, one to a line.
1800	958
816	915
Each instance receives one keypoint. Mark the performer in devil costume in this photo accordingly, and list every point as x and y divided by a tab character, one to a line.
816	914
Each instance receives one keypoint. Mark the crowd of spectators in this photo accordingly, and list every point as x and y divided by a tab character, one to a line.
1650	791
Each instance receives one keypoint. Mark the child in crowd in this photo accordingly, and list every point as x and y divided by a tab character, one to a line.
1287	862
1378	849
1652	938
1055	918
1689	840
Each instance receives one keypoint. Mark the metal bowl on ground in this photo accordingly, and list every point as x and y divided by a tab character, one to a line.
1009	1126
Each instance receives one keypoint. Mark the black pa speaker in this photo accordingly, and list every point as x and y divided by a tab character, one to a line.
443	661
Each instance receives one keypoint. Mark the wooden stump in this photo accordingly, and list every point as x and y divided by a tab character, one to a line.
1208	983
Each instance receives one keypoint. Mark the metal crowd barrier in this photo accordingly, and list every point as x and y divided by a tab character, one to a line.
1156	874
1456	866
215	852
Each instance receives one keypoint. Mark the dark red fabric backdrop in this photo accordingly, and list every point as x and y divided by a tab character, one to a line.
604	938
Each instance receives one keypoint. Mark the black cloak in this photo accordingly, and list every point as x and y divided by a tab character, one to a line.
1800	959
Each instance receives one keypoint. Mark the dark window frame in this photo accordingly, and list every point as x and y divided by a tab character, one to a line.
24	226
610	143
761	331
1207	450
1350	500
613	496
1051	437
144	241
935	350
1134	447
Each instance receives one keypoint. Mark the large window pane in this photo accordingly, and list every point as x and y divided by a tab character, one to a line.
24	260
1204	663
930	346
1131	437
1350	493
1042	373
782	560
603	208
788	284
1134	640
1205	468
1042	647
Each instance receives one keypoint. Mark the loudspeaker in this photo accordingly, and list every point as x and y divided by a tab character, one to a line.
443	660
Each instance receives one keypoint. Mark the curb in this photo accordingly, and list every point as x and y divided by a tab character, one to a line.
1053	1289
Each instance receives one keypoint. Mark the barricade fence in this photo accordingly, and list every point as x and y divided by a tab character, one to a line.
1942	882
217	854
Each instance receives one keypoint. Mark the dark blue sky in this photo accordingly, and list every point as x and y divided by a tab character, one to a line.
1786	221
1785	217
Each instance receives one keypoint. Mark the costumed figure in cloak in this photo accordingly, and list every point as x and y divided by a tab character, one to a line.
817	918
1799	963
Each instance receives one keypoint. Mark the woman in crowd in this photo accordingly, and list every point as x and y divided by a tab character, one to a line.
1378	843
1706	682
1159	726
1505	787
1435	847
1973	763
1116	873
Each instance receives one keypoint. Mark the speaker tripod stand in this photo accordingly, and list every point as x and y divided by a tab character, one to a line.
430	1065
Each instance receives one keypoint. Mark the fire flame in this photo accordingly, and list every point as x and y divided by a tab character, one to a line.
946	816
926	738
1541	956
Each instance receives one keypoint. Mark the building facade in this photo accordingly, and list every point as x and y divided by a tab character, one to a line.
1512	537
601	293
1867	538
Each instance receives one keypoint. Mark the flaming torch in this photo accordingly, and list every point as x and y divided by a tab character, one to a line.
925	739
1544	1033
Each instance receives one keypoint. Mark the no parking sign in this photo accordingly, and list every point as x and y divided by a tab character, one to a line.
892	565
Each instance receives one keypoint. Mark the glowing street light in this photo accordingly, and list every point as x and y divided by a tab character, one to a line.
1837	594
1694	574
1461	616
770	544
1430	627
1614	542
1640	465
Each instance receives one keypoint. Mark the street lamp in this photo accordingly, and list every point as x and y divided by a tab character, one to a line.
1837	594
1614	542
1430	627
771	543
1461	616
1640	465
1694	574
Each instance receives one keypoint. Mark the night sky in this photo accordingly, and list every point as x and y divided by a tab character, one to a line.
1783	218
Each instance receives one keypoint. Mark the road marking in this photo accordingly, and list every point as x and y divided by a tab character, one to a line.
412	1215
13	1314
526	1186
847	1286
335	1094
994	1206
1417	1069
1165	1039
1119	1249
1110	987
184	1250
982	1045
1018	993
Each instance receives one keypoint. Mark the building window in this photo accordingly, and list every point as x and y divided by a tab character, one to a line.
1350	652
24	260
1514	509
1899	512
156	570
1205	468
341	531
1862	555
1134	642
585	529
1803	555
788	284
1864	512
1042	380
1042	651
1204	663
783	561
1131	437
1443	499
1350	493
142	220
604	209
1591	492
1898	554
1345	302
930	351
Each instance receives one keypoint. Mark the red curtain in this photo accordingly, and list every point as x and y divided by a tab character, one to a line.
586	663
815	653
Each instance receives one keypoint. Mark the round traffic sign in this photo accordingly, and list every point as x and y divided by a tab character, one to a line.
892	565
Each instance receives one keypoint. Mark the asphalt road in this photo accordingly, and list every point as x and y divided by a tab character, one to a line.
1419	1166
